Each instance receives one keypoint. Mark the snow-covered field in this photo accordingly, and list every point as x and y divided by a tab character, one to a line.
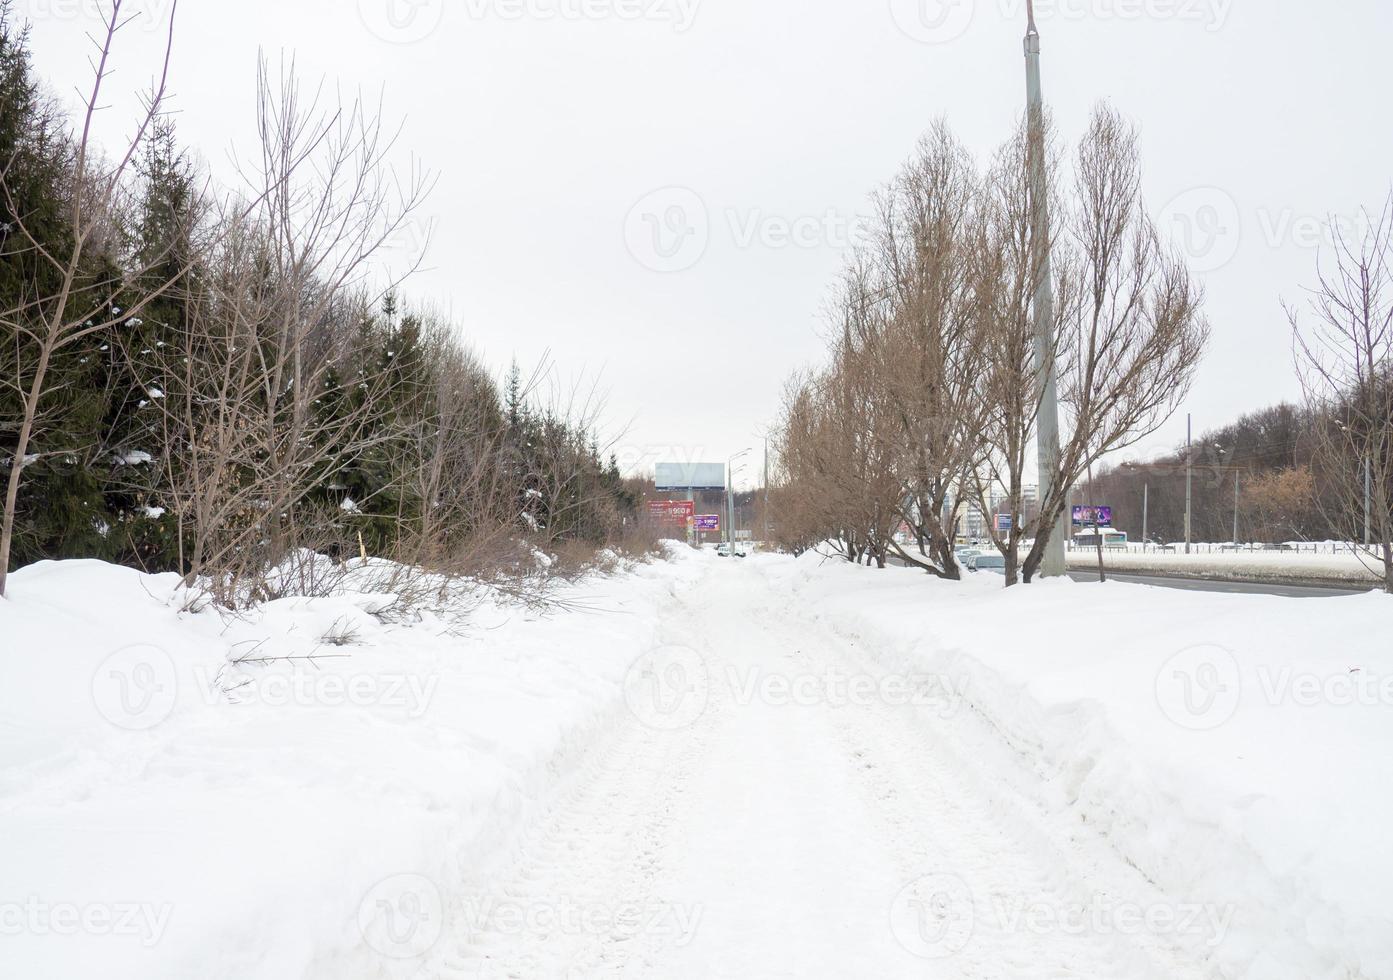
703	767
1239	564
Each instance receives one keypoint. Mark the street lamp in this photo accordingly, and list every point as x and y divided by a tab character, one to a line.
730	499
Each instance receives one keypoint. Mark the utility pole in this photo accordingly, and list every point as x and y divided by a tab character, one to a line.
1236	478
1368	508
1145	500
1189	477
1047	421
730	499
766	491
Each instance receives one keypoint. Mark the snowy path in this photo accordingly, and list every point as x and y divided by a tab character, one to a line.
772	807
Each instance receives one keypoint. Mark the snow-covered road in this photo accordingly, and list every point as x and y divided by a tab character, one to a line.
697	767
775	804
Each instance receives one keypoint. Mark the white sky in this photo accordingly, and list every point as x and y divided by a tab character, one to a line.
763	125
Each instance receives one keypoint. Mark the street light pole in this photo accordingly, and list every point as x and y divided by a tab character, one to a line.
730	500
766	492
1189	475
1145	500
1047	420
1236	477
1368	510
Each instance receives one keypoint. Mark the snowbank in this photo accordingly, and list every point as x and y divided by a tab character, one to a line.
1234	748
167	813
1241	564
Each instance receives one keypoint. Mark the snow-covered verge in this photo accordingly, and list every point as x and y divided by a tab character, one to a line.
1236	749
166	814
1277	565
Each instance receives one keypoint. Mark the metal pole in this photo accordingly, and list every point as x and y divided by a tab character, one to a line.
766	492
1189	475
1236	478
1368	508
1047	421
730	511
1145	500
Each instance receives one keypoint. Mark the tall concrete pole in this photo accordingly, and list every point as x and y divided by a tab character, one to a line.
1047	421
1189	479
1368	508
1236	478
766	493
1145	501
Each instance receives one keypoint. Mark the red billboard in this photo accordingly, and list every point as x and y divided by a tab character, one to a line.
671	513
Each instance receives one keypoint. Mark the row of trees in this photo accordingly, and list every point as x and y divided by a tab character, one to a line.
929	400
212	383
1320	470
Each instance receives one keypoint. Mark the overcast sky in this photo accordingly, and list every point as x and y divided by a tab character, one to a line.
660	192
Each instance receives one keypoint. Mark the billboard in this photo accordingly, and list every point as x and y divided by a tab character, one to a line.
690	476
708	522
671	513
1093	516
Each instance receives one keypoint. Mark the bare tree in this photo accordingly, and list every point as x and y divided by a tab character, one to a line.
1137	333
1005	275
931	343
1344	357
268	390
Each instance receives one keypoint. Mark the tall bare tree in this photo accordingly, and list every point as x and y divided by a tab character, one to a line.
1344	357
1138	332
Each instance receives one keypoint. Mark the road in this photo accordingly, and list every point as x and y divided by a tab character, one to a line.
749	816
1188	583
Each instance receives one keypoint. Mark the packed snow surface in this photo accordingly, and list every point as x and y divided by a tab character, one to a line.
702	767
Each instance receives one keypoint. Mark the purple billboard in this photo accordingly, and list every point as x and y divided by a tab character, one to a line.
1091	516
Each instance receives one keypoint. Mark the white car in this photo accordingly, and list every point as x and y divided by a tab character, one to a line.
987	563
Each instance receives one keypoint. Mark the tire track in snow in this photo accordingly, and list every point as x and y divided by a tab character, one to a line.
582	897
1024	897
797	840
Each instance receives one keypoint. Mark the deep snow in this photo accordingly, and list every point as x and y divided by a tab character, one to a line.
702	767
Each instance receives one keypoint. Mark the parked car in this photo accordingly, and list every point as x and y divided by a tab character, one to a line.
987	563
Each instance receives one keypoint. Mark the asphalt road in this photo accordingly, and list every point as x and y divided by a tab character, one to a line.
1290	590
